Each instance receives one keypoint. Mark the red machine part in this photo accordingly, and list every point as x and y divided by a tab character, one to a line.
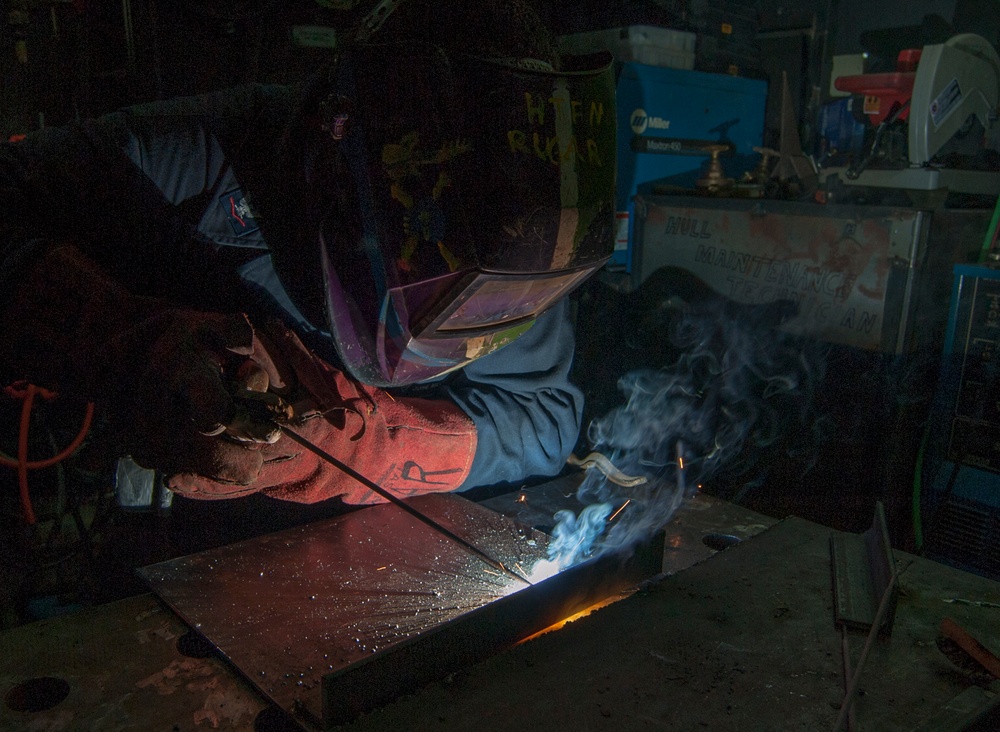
886	91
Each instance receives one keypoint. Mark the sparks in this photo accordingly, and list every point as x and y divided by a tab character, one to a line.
622	508
680	469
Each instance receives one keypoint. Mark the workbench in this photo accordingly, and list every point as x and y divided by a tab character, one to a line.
730	638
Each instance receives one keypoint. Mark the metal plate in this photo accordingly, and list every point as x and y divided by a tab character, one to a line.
297	611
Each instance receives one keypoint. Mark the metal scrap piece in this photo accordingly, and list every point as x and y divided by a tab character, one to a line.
603	464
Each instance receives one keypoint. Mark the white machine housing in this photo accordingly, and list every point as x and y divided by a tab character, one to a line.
954	80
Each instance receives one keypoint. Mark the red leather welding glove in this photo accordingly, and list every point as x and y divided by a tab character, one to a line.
160	376
406	446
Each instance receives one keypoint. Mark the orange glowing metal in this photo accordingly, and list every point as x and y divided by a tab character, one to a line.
576	616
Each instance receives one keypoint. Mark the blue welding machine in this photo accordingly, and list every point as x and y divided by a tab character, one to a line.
666	118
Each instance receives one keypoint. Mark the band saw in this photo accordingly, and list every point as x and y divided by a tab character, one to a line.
935	120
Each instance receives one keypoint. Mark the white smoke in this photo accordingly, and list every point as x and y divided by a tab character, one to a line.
735	388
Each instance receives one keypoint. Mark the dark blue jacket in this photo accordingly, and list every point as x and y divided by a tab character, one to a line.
161	193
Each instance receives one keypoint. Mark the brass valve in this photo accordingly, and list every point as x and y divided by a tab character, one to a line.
715	176
763	168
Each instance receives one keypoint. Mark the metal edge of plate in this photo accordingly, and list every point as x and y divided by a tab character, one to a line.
473	637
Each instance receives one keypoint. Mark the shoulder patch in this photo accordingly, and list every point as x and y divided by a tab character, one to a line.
238	212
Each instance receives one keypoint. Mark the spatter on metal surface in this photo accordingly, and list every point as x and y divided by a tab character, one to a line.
288	608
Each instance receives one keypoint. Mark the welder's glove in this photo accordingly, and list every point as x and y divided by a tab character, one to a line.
161	377
406	446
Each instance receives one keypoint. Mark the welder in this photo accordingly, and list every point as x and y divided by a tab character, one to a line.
377	258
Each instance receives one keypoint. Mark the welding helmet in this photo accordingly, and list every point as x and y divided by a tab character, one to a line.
476	194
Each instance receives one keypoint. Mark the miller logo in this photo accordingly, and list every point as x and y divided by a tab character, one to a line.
640	121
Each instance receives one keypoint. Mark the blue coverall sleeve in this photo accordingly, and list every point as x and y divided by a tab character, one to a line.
526	411
135	189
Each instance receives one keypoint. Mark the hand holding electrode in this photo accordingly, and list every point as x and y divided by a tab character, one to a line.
256	389
408	446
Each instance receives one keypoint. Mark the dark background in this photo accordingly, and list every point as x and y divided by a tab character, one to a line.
80	58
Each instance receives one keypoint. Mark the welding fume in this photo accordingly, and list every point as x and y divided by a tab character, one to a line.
376	260
710	394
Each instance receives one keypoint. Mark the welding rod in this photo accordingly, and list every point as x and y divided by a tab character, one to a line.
845	649
852	690
317	450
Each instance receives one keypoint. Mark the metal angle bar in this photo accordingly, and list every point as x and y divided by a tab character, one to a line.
300	611
863	566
